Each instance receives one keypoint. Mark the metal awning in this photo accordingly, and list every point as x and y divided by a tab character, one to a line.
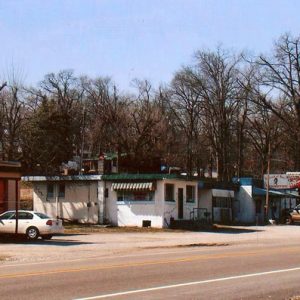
222	193
132	186
275	193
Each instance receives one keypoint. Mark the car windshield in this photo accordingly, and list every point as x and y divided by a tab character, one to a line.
42	216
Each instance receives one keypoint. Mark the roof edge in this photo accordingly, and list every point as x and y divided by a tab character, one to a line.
62	178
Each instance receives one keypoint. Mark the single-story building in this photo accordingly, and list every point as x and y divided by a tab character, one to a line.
216	200
149	199
117	199
74	198
10	176
132	199
250	201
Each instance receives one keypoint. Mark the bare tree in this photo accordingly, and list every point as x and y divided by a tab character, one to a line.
3	85
217	81
263	130
51	132
185	105
11	111
281	73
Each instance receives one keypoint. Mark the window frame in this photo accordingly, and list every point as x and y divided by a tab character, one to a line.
222	202
167	199
193	196
128	196
24	213
50	194
61	193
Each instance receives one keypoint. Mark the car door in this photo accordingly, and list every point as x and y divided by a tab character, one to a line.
24	221
7	222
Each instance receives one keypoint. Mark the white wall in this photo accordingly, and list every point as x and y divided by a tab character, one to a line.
170	209
101	201
132	213
159	212
110	206
244	206
205	199
74	206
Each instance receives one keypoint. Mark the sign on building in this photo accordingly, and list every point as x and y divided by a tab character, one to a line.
277	181
290	180
294	179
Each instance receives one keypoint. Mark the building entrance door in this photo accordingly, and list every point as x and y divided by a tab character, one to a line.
180	203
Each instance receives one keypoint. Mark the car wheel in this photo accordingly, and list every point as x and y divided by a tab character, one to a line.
32	233
289	220
47	237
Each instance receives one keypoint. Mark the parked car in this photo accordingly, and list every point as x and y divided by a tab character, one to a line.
31	224
294	215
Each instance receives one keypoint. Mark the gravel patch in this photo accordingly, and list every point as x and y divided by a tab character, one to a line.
4	258
189	246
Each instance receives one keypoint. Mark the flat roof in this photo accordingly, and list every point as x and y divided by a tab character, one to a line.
10	169
11	164
62	178
158	176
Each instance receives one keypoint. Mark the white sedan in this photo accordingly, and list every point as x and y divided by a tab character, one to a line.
30	223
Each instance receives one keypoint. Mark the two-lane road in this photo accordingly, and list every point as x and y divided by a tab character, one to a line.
227	272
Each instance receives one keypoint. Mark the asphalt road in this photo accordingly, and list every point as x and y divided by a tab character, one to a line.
223	272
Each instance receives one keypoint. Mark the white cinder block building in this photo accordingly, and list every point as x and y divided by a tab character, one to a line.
76	198
149	199
218	203
118	199
250	202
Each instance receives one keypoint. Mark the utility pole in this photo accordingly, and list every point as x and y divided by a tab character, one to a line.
17	205
82	141
268	180
56	191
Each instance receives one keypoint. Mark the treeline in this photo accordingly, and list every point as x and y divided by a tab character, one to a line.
225	112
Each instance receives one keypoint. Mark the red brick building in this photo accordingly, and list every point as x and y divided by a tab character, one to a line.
10	176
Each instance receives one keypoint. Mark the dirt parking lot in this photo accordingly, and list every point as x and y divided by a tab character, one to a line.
85	244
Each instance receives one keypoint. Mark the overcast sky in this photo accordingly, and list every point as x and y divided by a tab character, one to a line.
127	39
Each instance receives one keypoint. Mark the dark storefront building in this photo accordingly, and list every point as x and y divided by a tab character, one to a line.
10	176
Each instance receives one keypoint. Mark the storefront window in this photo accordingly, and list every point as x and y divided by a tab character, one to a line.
135	196
222	202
